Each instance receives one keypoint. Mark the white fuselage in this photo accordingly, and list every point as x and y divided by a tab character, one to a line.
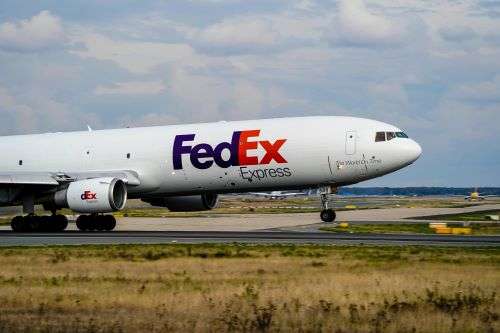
301	152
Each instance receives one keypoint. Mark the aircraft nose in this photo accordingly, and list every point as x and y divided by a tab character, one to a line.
412	151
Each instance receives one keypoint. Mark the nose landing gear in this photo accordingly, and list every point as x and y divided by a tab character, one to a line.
327	215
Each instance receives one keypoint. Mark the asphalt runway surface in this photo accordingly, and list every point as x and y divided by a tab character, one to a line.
8	238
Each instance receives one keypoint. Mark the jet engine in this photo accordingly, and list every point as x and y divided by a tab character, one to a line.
96	195
190	203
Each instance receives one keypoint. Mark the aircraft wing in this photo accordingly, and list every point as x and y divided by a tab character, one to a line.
56	178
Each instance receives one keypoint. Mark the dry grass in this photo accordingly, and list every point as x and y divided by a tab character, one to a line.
220	288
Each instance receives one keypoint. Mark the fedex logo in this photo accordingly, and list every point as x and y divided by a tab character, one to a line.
89	195
241	149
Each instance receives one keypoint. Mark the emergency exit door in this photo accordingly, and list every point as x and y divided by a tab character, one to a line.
350	142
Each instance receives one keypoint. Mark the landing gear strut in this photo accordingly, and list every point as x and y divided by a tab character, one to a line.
96	222
327	214
34	223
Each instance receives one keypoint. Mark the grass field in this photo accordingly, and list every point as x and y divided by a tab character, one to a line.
228	288
410	228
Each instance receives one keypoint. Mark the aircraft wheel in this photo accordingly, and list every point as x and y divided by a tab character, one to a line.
328	215
60	222
17	224
33	223
93	222
109	222
46	223
99	222
82	223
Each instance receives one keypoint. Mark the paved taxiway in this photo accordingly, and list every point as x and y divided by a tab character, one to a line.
260	237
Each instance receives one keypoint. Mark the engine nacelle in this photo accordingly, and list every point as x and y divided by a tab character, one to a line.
189	203
97	195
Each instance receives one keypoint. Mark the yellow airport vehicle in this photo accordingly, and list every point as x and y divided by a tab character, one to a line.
436	225
461	231
444	230
453	231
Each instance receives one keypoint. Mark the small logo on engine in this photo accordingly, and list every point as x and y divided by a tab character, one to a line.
89	195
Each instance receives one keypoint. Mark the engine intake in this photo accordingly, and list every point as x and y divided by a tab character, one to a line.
190	203
97	195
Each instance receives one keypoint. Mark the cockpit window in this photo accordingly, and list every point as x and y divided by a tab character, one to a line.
383	136
380	136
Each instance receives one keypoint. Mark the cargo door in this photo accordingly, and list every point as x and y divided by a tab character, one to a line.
350	142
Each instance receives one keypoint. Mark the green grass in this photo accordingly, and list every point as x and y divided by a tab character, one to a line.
382	229
364	253
410	228
473	216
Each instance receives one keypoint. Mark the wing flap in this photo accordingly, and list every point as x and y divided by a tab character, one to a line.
28	179
53	179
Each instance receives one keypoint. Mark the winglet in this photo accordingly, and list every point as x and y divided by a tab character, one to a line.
89	128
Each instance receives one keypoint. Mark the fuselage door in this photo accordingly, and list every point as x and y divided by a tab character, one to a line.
350	142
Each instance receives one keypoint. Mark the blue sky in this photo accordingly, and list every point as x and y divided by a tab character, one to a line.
429	67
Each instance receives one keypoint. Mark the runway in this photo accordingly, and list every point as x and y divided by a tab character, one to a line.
258	237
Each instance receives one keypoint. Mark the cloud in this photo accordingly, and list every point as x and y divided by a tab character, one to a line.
457	34
244	31
41	32
149	119
208	97
306	5
357	26
253	34
135	56
131	88
482	92
31	112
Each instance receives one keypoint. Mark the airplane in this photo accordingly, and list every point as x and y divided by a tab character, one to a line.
279	194
186	167
475	196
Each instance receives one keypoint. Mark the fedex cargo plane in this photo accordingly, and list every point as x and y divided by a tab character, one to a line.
186	167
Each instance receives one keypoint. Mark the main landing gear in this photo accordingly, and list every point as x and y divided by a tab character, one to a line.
327	215
34	223
96	222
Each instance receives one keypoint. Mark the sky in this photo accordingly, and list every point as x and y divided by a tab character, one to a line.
430	67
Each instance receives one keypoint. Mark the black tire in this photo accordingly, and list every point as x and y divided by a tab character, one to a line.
93	222
60	222
109	222
99	222
45	223
82	223
33	223
328	215
17	224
